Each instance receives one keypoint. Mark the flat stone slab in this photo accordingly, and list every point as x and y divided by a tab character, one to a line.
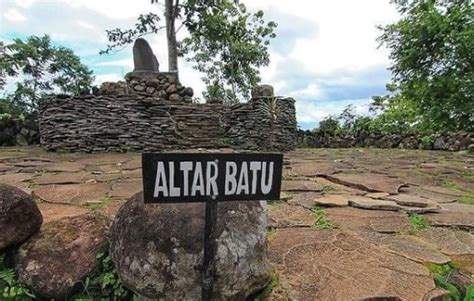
124	189
332	265
311	200
370	182
63	178
359	220
463	220
282	215
313	169
52	212
410	200
300	185
408	246
64	167
372	204
428	194
72	194
448	241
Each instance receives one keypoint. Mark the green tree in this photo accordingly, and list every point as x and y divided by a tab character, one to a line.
329	125
225	42
41	68
433	64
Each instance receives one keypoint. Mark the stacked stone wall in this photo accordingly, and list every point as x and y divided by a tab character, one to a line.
448	141
120	119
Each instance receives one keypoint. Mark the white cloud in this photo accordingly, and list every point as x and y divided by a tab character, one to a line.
312	90
99	79
333	49
24	3
14	15
85	25
316	111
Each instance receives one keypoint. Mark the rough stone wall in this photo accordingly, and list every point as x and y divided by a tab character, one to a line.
262	124
448	141
19	131
122	119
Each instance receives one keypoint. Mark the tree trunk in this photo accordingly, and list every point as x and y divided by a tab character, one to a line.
170	17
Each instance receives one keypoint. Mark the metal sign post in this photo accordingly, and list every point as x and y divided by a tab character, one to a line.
210	178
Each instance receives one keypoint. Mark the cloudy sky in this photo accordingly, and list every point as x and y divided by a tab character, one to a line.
325	54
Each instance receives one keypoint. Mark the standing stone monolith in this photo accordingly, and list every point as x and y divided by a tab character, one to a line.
143	57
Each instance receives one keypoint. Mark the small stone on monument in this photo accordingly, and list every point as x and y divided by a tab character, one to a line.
262	91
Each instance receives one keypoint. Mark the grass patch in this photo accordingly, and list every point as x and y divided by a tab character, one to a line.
468	175
10	288
270	232
265	293
419	222
322	221
100	203
467	199
452	185
440	269
104	283
327	189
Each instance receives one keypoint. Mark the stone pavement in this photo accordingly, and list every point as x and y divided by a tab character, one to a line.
352	224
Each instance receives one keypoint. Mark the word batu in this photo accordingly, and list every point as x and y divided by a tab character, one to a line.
206	177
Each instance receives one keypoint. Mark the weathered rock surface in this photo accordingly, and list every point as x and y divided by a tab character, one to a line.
55	261
19	216
332	265
368	181
287	216
357	220
158	249
372	204
311	200
143	57
301	185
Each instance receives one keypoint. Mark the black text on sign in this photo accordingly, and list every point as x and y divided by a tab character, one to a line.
204	177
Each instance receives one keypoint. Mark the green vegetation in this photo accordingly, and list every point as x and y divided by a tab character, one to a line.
451	185
100	203
453	292
265	293
440	269
225	42
441	275
327	189
322	221
467	199
432	88
40	69
270	232
10	288
104	283
419	222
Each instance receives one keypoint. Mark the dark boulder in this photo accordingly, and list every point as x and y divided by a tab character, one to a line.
19	216
54	262
158	249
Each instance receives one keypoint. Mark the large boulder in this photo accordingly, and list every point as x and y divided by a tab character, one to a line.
19	216
158	249
55	261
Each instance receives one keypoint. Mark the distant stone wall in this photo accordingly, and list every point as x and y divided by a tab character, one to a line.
122	119
19	131
449	141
